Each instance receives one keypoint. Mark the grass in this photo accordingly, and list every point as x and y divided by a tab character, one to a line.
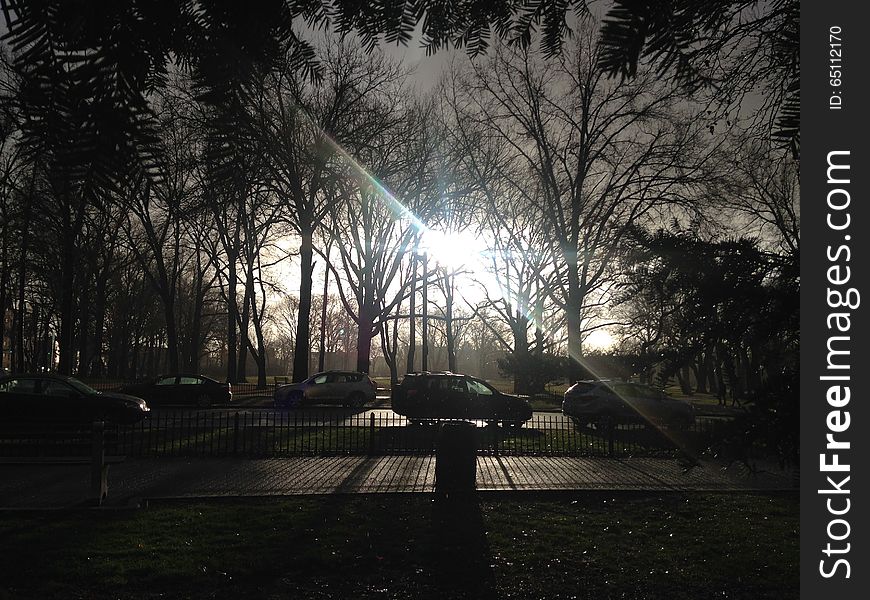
585	545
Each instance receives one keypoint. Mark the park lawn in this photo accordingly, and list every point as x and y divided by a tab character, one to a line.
582	544
546	403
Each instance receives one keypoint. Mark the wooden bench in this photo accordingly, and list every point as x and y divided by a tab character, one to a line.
98	460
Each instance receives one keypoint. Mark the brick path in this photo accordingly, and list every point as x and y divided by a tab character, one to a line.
62	486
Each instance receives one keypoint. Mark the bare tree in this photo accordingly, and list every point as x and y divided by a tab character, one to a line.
601	156
759	185
305	129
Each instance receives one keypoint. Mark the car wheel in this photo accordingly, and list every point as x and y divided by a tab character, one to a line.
357	400
203	401
604	424
295	399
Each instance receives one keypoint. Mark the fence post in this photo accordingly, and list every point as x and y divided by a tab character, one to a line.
611	427
236	433
99	469
372	433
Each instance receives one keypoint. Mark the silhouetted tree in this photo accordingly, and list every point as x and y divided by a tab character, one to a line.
729	49
600	156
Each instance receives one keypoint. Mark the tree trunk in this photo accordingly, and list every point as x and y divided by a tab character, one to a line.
709	371
83	329
448	325
18	320
45	355
260	357
232	311
171	334
244	324
67	306
720	380
321	355
364	338
195	333
4	282
731	377
685	383
522	357
97	363
749	370
390	346
700	373
302	349
69	264
412	324
257	319
573	321
134	355
424	351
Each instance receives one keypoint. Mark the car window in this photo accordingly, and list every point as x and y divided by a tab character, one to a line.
478	387
622	390
457	384
166	381
19	386
85	389
642	391
189	380
584	388
411	382
337	378
353	377
57	388
320	379
444	384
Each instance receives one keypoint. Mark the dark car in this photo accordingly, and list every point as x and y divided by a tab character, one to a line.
348	388
432	396
45	397
603	401
197	390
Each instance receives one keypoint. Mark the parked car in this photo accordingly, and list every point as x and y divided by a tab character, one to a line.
183	388
603	401
47	397
347	388
431	396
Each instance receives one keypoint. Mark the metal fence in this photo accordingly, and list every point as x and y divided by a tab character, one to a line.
55	439
270	433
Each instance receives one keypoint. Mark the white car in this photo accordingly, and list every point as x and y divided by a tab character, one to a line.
346	388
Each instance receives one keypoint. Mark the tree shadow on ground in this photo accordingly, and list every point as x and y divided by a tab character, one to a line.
424	437
459	556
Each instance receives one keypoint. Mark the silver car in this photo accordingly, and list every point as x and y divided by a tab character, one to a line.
607	402
345	388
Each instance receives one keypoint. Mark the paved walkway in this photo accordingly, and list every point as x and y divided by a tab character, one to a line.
63	486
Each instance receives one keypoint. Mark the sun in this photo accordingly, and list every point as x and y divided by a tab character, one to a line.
600	339
453	250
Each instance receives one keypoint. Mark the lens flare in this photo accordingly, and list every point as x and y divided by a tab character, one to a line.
455	250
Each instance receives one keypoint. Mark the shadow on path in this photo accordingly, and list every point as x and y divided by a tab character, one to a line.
460	558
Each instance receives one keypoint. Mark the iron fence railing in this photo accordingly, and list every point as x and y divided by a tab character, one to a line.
36	440
268	433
